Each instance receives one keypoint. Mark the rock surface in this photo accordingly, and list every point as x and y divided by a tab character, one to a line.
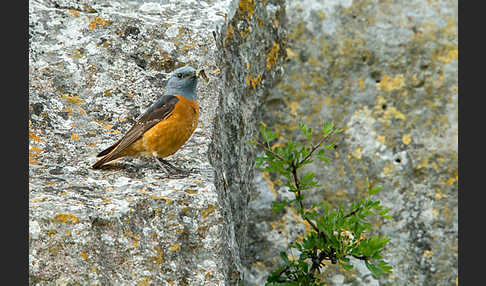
386	72
249	57
93	69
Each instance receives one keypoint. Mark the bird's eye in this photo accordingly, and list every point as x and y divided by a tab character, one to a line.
179	75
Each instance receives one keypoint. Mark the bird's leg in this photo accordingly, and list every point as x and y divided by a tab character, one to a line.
173	171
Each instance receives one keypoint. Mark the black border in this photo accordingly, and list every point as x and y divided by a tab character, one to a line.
15	140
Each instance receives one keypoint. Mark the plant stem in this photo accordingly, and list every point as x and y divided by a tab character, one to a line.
296	182
270	151
360	257
353	212
301	205
283	270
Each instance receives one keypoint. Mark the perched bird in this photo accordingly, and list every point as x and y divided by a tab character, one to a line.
164	127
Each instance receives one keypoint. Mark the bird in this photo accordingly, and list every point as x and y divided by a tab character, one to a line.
164	127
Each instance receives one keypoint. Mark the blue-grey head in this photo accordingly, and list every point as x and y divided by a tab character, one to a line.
183	81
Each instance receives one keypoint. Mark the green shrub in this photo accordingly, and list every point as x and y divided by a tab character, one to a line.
336	234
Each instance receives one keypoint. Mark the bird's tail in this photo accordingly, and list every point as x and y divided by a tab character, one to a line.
109	157
108	150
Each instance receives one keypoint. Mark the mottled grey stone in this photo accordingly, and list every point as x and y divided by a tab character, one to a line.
249	57
386	72
93	68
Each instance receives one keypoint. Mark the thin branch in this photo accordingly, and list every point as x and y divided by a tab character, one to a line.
360	257
318	145
270	151
283	270
296	179
297	187
353	212
284	281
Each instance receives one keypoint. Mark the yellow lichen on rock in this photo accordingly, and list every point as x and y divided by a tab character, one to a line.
357	153
159	259
272	56
175	247
247	6
84	255
271	184
207	211
291	54
74	12
361	84
34	137
388	83
253	81
98	21
34	152
381	139
406	139
448	54
294	105
165	198
66	217
72	98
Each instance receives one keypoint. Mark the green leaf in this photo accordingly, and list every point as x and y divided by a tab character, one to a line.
383	212
275	275
284	257
308	161
345	259
307	181
278	206
296	245
345	265
267	134
327	128
307	131
324	159
375	190
378	269
385	266
301	154
262	130
309	241
311	214
330	146
299	198
325	205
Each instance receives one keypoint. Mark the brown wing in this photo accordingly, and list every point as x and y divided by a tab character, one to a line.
157	112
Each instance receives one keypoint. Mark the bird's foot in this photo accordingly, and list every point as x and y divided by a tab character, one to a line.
173	171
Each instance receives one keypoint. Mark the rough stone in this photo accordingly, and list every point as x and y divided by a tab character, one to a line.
249	58
386	72
93	68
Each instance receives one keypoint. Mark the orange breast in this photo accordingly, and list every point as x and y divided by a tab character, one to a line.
167	136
